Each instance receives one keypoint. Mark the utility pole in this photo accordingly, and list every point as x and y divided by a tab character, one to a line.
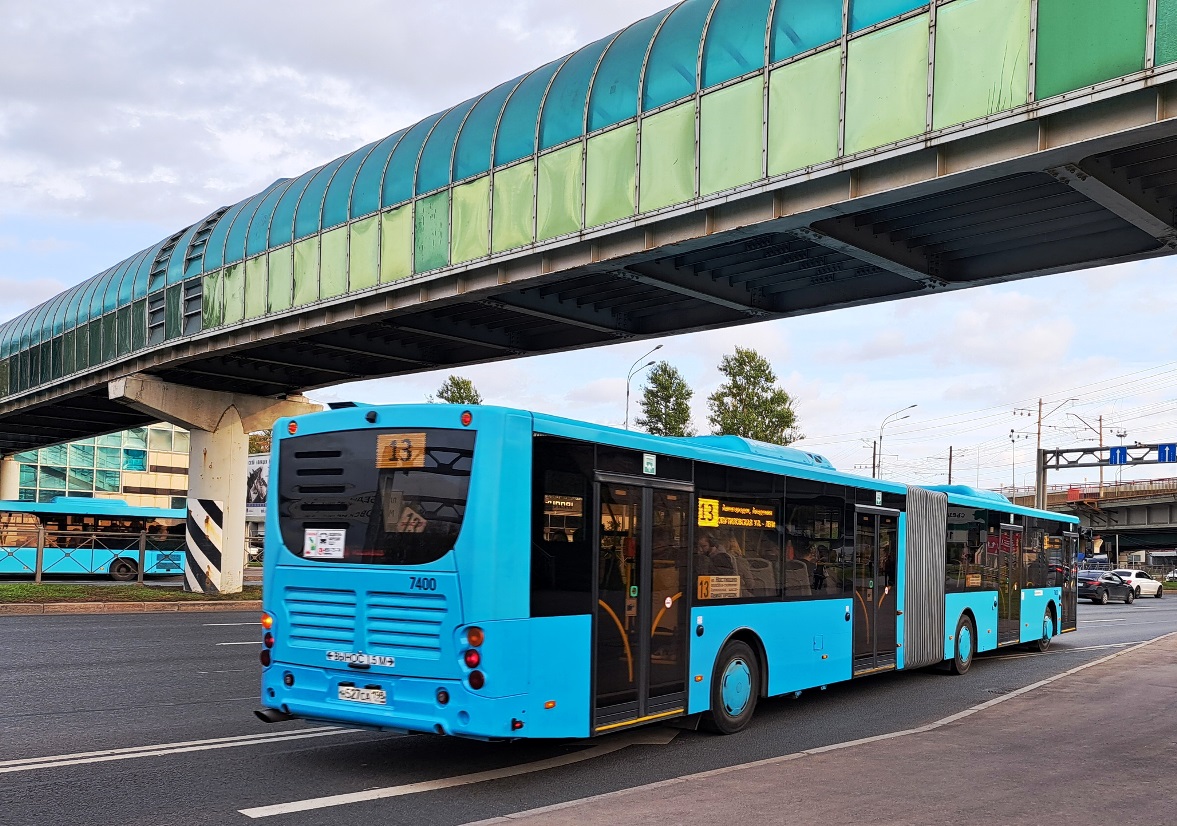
1100	433
874	454
950	464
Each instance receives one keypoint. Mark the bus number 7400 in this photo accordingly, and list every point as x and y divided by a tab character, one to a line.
422	583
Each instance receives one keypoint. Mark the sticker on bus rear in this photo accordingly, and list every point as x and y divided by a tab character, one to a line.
400	450
320	543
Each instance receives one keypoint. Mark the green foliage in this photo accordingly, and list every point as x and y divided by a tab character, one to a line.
749	403
259	442
456	390
666	403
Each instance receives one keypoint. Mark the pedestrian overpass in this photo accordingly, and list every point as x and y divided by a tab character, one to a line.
717	163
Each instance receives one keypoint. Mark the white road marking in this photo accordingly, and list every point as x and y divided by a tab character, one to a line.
641	737
250	642
227	624
1067	650
226	671
694	778
32	763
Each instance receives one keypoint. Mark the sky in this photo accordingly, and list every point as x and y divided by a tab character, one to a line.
121	122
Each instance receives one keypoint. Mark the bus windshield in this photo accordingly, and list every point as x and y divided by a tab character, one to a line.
379	497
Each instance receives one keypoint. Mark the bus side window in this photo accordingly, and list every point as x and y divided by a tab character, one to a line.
561	556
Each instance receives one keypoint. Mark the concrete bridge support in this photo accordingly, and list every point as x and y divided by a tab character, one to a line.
220	424
9	478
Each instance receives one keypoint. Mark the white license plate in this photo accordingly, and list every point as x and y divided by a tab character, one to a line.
375	696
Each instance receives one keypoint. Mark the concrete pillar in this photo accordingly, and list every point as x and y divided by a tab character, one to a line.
9	478
220	424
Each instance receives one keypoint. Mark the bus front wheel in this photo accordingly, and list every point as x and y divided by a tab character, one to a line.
123	570
735	686
966	646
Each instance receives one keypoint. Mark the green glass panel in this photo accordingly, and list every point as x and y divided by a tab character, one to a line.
364	257
668	158
1081	42
333	263
123	330
982	59
255	287
173	311
432	236
560	186
281	278
110	458
213	297
234	293
95	329
107	481
803	109
731	136
1166	31
81	456
4	368
396	244
68	356
513	199
108	341
181	441
139	323
80	480
306	271
471	220
887	85
609	177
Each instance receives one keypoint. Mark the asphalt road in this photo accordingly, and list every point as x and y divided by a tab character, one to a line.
141	719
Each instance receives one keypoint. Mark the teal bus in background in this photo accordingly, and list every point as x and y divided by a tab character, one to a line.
494	573
81	535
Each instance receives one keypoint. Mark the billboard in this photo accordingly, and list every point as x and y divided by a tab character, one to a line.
256	482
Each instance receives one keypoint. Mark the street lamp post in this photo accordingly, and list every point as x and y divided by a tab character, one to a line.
878	471
633	371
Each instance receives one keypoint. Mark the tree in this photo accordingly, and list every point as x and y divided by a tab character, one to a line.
456	390
666	403
749	403
259	442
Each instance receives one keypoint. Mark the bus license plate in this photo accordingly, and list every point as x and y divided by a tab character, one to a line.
375	696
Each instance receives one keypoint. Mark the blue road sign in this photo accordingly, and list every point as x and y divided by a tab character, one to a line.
1167	453
1118	456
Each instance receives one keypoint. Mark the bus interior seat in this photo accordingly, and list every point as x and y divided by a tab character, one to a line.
797	578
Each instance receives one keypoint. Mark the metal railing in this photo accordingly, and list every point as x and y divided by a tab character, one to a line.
69	543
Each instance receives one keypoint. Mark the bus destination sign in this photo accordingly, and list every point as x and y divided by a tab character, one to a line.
715	513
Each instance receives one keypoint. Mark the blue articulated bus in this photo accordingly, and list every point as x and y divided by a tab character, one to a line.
495	573
81	535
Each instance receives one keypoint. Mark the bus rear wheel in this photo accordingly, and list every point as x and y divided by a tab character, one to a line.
735	687
1043	643
123	570
965	648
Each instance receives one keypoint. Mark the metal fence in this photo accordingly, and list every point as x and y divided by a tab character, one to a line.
66	552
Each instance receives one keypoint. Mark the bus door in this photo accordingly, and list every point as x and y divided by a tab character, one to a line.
1009	584
876	545
640	632
1066	579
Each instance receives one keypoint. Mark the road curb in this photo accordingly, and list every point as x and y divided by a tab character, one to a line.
60	608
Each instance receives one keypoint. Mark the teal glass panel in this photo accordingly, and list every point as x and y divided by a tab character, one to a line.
611	168
234	280
512	211
107	481
887	85
55	455
982	59
73	310
865	13
515	136
81	456
431	238
173	312
109	345
471	220
136	437
731	136
735	40
127	285
1084	42
114	296
564	109
27	495
110	440
309	215
801	25
433	169
28	456
396	244
258	239
672	70
110	458
614	95
69	361
94	352
110	291
472	155
280	272
668	157
123	330
333	263
363	262
365	193
135	459
282	221
214	250
142	275
80	480
139	324
337	201
175	268
306	271
401	173
28	476
255	286
54	320
1166	47
86	311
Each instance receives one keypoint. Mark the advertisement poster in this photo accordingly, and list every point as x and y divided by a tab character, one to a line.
256	482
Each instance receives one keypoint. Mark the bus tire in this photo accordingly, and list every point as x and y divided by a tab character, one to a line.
1043	643
123	570
965	647
735	687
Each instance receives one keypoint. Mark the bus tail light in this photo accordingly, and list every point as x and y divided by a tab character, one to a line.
267	621
467	418
477	680
268	640
473	658
264	656
474	636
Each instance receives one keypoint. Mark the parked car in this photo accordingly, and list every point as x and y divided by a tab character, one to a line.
1102	586
1141	582
1171	576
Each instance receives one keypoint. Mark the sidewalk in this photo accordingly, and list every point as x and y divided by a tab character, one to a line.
1096	746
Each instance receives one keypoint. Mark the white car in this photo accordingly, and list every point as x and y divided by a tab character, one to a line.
1142	582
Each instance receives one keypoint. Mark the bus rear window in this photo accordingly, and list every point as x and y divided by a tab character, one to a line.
379	497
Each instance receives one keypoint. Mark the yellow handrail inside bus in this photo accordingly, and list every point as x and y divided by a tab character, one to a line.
665	608
624	637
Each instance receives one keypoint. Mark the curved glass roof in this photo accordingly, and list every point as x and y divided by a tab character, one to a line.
666	57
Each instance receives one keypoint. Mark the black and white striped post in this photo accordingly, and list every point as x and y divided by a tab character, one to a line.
204	538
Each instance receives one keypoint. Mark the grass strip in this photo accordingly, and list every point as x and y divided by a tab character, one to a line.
31	592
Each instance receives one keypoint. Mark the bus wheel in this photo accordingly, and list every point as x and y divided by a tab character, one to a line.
735	685
966	646
123	570
1047	632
